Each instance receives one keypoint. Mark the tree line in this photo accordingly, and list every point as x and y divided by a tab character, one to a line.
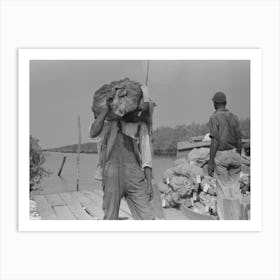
166	138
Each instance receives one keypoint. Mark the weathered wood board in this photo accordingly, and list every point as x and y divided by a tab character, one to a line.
85	205
81	205
44	208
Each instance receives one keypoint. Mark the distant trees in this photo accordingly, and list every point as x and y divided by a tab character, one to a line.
88	148
165	138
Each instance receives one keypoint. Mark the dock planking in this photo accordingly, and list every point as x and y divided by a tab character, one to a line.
88	205
63	213
85	205
124	212
44	208
75	207
55	200
81	205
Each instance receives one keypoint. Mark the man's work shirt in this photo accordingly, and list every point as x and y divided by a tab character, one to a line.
224	128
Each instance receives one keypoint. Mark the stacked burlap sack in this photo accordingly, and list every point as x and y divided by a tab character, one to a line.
126	100
188	183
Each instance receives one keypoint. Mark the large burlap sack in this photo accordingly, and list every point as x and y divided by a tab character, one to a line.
199	156
167	174
188	170
180	161
180	182
126	95
163	188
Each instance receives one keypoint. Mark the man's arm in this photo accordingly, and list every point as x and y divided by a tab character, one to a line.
146	156
214	145
98	123
238	136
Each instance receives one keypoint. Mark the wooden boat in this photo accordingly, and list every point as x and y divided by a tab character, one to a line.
183	148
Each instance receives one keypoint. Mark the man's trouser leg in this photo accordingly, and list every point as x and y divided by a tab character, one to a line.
113	182
228	167
136	194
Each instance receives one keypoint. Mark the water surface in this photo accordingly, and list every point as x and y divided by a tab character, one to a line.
68	179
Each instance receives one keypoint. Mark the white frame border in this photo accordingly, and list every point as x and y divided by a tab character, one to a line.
24	57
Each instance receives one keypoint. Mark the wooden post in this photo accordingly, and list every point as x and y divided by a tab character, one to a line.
147	74
151	108
78	153
61	167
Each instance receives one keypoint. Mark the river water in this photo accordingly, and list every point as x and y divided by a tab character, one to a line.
67	181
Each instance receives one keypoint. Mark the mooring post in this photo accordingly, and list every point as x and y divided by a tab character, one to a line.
78	153
61	167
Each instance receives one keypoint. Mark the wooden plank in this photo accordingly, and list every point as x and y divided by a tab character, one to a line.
44	208
75	206
88	205
63	213
187	145
78	153
55	200
96	201
181	146
97	197
197	138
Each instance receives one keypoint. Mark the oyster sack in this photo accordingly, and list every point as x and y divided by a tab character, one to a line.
126	95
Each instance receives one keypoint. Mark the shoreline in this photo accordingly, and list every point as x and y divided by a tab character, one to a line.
171	154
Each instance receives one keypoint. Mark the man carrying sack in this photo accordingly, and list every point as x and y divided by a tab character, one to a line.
225	158
126	162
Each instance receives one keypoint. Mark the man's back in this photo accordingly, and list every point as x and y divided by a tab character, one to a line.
224	127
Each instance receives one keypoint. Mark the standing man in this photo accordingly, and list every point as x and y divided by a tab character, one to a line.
127	166
225	158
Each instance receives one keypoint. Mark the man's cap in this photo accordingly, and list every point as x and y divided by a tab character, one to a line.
219	97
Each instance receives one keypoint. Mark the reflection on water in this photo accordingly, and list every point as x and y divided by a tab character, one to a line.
67	181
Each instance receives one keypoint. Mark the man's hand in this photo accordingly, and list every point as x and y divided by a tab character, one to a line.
148	177
146	94
150	191
98	123
211	168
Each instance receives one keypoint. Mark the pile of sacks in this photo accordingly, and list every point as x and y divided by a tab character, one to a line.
245	184
188	183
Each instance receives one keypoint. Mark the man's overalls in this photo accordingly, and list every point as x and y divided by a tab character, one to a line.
123	177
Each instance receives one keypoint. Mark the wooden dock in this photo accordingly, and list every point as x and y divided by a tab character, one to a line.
85	205
81	205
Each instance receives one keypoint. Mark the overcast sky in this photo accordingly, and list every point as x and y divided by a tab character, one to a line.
62	90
